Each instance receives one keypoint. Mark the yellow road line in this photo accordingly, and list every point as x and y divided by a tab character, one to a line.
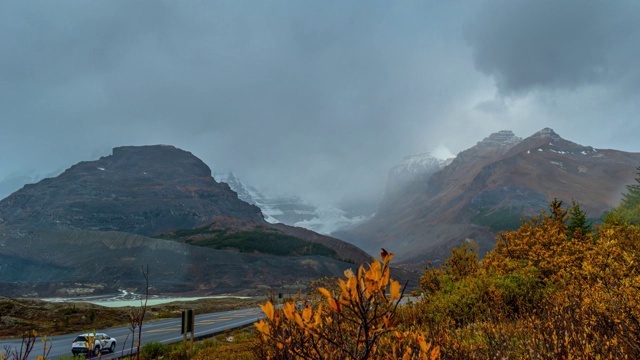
211	321
162	330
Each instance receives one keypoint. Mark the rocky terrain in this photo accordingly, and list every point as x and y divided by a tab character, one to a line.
90	229
488	188
142	190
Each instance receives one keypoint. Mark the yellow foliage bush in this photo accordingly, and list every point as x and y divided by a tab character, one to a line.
543	293
356	322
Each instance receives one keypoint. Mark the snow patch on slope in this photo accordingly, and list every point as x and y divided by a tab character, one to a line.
413	168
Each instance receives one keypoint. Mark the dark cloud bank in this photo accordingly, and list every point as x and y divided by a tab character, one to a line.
316	98
526	45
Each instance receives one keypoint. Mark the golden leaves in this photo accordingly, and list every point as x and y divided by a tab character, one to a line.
349	273
334	305
409	344
386	256
268	310
289	310
298	320
352	321
394	289
318	317
324	292
263	327
306	313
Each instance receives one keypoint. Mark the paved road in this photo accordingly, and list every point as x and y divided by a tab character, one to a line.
164	331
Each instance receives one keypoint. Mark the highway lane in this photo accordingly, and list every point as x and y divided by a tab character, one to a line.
163	331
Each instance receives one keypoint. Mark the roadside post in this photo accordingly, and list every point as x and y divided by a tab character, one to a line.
188	325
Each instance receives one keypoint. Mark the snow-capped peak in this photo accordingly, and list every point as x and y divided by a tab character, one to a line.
418	167
419	164
500	139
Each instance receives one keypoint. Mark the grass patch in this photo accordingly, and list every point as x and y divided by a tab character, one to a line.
231	345
268	243
498	220
258	240
185	233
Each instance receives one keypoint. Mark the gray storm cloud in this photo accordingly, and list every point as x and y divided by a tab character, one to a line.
315	98
548	44
309	96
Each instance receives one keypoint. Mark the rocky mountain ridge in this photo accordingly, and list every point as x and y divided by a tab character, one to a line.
142	190
491	186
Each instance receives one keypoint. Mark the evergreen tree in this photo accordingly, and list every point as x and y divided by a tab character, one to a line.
629	209
579	226
557	212
632	197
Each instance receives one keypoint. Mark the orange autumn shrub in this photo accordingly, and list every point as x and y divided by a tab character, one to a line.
553	289
356	322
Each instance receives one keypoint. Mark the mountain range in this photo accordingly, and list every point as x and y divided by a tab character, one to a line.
490	187
90	229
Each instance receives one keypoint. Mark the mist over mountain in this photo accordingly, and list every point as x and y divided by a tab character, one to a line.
295	211
411	169
490	187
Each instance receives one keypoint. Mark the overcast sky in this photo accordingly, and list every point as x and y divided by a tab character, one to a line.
317	98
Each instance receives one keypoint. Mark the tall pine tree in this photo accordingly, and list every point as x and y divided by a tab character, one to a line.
579	226
632	197
629	209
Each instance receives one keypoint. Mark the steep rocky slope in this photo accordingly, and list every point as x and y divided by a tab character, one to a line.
138	189
491	186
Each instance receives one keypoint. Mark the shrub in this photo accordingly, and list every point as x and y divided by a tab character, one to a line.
153	350
547	291
356	322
